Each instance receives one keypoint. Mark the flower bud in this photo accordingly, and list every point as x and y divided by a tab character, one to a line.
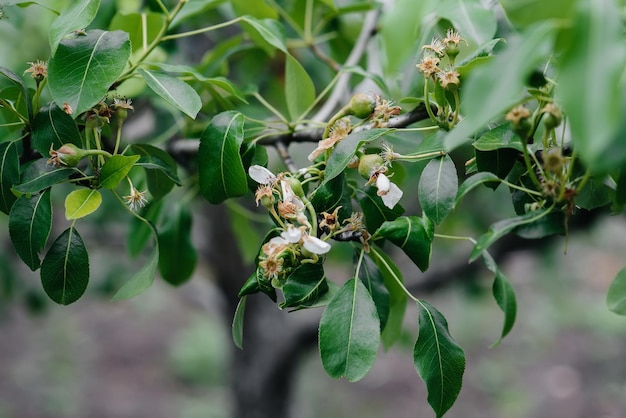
552	116
369	163
361	105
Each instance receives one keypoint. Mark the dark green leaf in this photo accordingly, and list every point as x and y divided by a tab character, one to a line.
331	195
374	210
411	235
304	286
53	127
144	278
504	295
81	203
438	359
473	181
154	158
221	171
84	68
437	188
139	232
24	90
551	224
258	283
76	17
595	194
40	175
9	174
115	169
499	162
375	283
499	137
616	297
30	222
65	269
345	150
238	321
176	92
299	88
178	256
349	333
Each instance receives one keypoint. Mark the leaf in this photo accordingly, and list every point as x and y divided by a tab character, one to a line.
499	137
30	222
374	210
503	227
257	8
524	13
142	28
65	268
257	283
194	8
551	224
81	203
488	93
24	90
178	256
304	286
373	280
438	359
154	158
9	174
437	188
344	151
238	321
267	32
139	232
616	297
144	278
221	171
504	295
331	195
349	333
299	88
410	234
470	18
474	181
76	17
115	168
499	162
40	175
83	69
53	127
176	92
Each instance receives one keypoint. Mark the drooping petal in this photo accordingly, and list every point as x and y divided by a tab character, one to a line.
315	245
292	234
392	196
261	174
382	184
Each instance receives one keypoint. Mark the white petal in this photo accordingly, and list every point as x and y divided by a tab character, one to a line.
292	234
315	245
261	174
278	241
392	196
382	184
288	193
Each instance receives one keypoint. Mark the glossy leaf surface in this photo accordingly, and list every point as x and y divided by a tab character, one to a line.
504	295
115	169
53	127
299	89
9	174
305	286
30	222
437	188
374	281
40	175
413	235
176	92
81	203
76	17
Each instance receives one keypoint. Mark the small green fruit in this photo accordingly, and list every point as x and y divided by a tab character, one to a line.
369	163
361	105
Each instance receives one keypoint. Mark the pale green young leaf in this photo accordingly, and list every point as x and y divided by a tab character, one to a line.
349	333
76	17
176	92
65	268
81	203
30	222
255	8
616	297
437	188
438	359
84	67
299	88
115	169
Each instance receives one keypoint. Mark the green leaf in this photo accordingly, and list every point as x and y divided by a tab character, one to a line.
139	232
499	137
258	283
490	92
374	210
344	151
349	333
499	162
82	71
503	227
474	181
331	195
221	171
65	268
304	286
30	222
267	32
53	127
238	321
257	8
504	295
551	224
176	92
470	18
438	359
524	13
437	188
144	278
299	88
40	175
616	297
178	256
373	280
81	203
154	158
9	174
194	8
411	235
115	168
142	28
397	297
76	17
22	87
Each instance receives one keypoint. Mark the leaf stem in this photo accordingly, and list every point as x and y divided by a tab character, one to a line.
393	274
271	108
200	31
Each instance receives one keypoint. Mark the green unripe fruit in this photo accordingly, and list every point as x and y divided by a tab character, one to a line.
369	163
68	155
296	186
361	105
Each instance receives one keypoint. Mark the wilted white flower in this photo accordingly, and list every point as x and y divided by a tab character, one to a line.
388	191
315	245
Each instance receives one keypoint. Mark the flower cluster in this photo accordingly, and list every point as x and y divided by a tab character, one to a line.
432	55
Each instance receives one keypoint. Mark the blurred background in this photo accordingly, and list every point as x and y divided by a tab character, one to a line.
169	352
